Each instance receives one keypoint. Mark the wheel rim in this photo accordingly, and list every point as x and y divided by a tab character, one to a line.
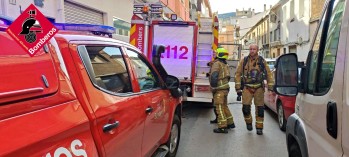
174	138
281	115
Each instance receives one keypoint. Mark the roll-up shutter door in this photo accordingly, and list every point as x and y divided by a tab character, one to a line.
75	13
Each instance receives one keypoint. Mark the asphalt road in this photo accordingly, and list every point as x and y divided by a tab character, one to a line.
198	139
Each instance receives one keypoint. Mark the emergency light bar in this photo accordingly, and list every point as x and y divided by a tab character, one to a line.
156	8
5	20
138	8
146	8
95	29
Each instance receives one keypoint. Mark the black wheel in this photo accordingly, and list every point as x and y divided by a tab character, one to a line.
294	150
173	140
281	117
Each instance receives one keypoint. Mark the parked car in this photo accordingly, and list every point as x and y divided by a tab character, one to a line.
320	125
283	106
81	95
271	62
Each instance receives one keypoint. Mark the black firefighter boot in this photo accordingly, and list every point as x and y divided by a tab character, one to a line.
215	113
213	121
249	127
231	126
220	130
259	131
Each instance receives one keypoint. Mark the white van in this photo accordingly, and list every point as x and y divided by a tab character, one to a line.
320	126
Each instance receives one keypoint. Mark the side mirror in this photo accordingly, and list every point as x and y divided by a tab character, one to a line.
286	75
172	83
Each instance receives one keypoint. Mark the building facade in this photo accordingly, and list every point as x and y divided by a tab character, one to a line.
254	30
276	32
200	8
258	34
179	7
289	26
296	14
78	11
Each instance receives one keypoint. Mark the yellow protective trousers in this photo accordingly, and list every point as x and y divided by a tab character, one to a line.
258	95
224	116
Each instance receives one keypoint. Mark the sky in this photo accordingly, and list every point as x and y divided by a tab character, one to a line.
225	6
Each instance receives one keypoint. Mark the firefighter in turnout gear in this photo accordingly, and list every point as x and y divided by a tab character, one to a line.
208	75
219	81
249	82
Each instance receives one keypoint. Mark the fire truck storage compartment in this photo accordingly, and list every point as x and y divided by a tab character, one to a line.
179	42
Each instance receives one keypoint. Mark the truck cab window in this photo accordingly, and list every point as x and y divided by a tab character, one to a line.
146	76
314	57
109	69
329	59
325	49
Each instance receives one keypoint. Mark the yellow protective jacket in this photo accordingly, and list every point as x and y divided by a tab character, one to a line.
252	64
219	75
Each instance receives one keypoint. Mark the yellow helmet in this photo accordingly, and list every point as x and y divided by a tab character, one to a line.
222	53
149	73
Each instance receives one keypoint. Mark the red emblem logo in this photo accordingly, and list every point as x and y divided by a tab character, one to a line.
32	30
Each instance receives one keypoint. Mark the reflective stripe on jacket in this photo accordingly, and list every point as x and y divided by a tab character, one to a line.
223	75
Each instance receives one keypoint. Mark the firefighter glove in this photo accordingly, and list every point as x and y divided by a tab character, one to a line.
239	92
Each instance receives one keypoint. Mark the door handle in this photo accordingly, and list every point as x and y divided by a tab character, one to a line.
331	119
109	127
149	110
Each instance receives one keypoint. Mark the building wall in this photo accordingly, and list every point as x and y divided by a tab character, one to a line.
316	9
296	19
248	13
55	8
258	34
50	9
226	36
179	7
246	23
295	14
108	8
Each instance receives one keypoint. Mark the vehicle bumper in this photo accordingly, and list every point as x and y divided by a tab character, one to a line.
195	99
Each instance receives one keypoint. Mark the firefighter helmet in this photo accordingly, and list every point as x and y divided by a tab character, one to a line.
222	53
149	73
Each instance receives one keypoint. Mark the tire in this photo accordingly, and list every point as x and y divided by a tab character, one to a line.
295	151
173	140
281	117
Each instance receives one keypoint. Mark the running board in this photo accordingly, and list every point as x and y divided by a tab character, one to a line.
161	151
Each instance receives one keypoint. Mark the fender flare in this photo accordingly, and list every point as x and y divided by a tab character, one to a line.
296	129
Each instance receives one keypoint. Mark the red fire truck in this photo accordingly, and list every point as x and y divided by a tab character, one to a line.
189	48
